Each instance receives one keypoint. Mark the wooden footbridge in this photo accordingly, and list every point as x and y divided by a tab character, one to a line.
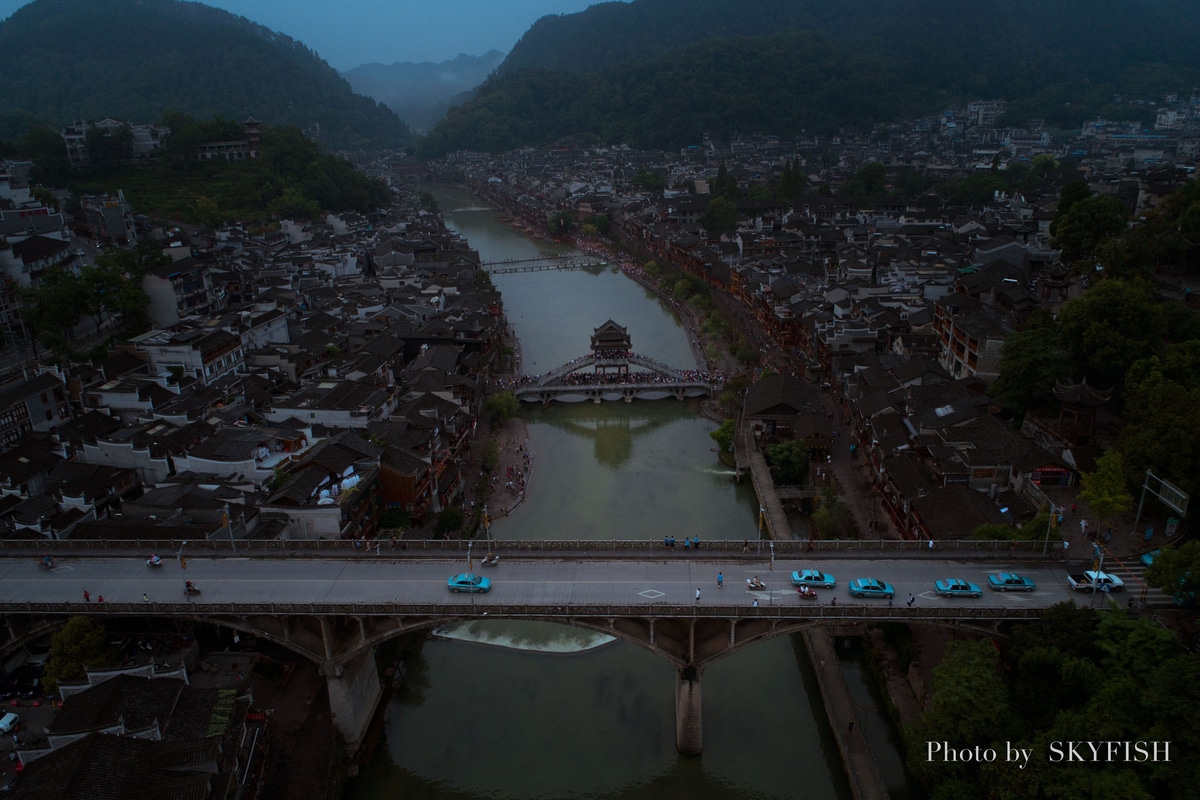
543	264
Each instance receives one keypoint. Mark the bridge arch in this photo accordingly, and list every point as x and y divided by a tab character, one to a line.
341	638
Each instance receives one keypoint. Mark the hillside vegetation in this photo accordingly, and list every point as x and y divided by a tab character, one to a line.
64	60
655	73
292	177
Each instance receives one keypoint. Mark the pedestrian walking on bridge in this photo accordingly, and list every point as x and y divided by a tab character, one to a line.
720	580
697	595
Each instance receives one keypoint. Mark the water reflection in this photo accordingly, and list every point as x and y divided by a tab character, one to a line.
501	723
641	470
612	434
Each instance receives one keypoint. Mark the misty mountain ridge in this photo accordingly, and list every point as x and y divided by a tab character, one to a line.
65	60
421	92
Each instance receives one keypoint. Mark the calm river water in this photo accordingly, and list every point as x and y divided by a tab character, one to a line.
560	713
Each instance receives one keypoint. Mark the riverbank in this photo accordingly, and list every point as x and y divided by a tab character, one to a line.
514	468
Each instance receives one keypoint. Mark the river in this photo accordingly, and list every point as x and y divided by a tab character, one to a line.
562	713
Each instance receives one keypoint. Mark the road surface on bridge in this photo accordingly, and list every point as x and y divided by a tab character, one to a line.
369	578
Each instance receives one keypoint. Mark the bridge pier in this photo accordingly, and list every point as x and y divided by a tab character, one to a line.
689	730
354	692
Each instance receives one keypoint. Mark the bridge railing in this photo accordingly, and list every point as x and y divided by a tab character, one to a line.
480	607
631	548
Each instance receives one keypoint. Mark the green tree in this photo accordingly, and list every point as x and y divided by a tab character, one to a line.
501	406
206	212
1115	324
1071	194
832	518
724	435
82	642
995	531
1162	431
45	197
293	204
793	182
725	185
1030	362
1176	570
788	461
650	180
53	307
968	707
1088	223
448	521
1105	490
869	181
562	222
721	216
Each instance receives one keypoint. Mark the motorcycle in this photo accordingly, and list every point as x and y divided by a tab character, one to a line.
804	591
47	562
490	560
189	590
755	585
154	561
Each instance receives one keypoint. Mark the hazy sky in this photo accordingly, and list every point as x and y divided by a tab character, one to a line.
347	33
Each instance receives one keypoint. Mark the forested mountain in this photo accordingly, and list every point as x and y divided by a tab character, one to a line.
63	60
658	73
995	38
420	93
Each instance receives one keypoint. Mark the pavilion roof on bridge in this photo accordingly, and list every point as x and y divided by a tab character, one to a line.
611	336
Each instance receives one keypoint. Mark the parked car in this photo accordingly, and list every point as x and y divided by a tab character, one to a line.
24	681
9	722
31	689
469	582
957	587
871	587
813	579
1091	581
1011	582
1148	558
39	653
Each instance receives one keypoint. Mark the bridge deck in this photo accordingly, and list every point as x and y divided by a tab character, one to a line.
665	585
539	265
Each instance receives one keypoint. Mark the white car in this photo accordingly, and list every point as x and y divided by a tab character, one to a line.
9	722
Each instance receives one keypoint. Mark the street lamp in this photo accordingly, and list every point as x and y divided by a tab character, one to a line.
772	544
1099	571
1049	525
470	564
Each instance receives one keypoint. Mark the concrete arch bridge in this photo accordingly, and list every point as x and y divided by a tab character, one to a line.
655	602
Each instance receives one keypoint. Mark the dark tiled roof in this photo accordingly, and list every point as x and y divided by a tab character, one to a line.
774	395
954	511
136	701
104	767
